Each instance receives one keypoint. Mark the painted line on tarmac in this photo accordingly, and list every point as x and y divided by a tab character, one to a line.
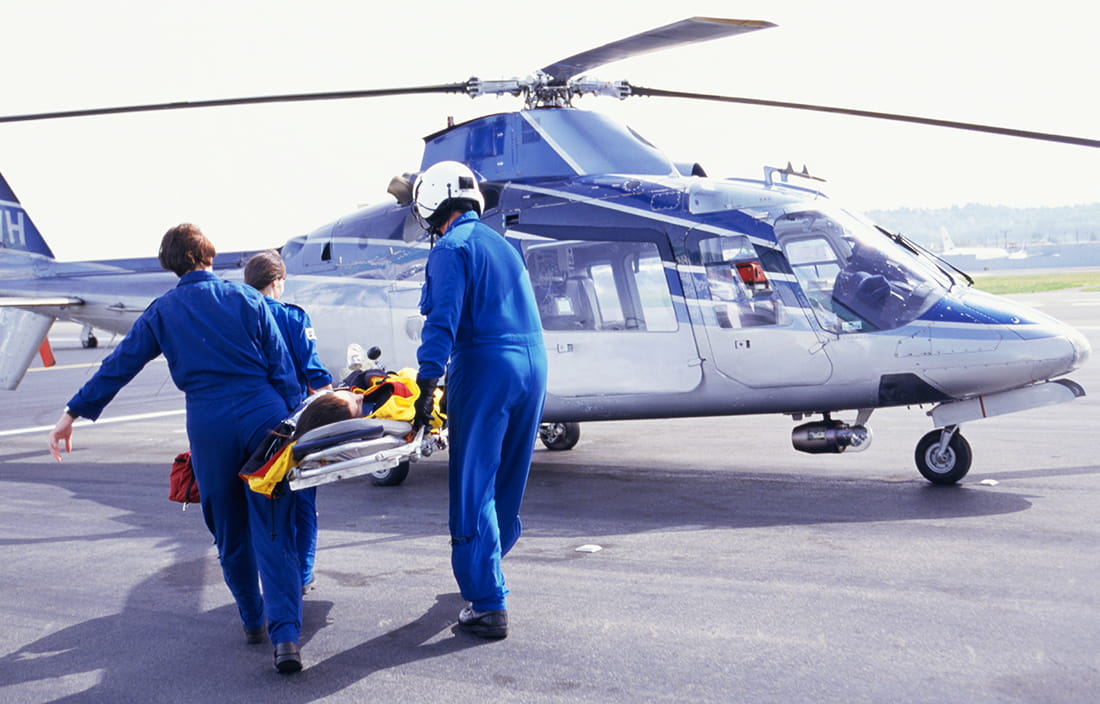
104	421
63	366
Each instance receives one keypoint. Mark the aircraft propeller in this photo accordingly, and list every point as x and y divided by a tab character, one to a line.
556	85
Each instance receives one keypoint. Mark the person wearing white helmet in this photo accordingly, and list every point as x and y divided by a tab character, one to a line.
482	329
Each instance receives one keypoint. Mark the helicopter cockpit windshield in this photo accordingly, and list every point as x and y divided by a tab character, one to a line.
856	278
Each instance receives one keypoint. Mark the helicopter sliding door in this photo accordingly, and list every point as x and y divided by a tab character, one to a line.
758	334
609	318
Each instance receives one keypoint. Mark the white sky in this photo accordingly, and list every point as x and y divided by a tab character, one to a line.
254	176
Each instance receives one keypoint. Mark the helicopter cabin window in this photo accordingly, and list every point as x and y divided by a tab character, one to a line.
855	277
739	288
600	285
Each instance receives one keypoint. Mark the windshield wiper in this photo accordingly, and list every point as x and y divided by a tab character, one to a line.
919	250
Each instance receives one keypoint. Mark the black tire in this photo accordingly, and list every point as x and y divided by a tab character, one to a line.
90	343
390	477
948	468
560	436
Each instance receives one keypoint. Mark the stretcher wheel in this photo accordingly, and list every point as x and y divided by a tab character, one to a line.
391	476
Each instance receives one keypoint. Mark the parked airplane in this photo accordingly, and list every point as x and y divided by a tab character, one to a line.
950	249
663	292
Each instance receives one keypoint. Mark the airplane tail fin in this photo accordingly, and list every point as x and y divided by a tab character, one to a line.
17	230
945	239
22	330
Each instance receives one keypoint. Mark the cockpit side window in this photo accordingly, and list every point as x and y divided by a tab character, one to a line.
739	287
816	264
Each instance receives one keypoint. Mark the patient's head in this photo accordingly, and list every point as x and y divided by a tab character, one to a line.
329	408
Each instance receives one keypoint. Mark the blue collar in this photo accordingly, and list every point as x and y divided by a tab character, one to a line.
194	277
464	218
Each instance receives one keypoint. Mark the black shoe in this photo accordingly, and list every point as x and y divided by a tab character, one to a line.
486	624
287	658
255	636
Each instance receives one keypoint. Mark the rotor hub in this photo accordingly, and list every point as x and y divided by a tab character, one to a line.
542	90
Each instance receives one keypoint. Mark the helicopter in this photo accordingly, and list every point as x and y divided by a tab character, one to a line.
663	292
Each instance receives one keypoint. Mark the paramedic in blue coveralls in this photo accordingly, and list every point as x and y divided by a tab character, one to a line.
266	272
225	353
480	316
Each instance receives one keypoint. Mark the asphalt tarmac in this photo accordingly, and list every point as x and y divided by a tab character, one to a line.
732	568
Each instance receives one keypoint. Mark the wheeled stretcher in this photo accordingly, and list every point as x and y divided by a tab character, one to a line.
356	447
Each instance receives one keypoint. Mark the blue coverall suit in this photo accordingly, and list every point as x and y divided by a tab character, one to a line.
226	354
481	315
297	330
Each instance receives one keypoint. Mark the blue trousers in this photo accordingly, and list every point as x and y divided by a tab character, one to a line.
305	526
494	406
254	534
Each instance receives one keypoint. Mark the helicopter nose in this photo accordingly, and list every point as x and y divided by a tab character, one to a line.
1017	346
1081	347
1061	351
1053	349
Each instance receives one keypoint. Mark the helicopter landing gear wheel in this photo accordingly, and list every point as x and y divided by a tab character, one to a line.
391	476
560	436
943	456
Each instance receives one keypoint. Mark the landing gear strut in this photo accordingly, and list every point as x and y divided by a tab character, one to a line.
943	456
88	339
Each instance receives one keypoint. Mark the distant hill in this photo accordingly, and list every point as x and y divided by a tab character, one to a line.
995	226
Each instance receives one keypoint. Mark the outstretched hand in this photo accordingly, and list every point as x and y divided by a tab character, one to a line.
61	433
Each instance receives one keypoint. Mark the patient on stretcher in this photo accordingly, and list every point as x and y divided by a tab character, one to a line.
349	432
335	419
329	439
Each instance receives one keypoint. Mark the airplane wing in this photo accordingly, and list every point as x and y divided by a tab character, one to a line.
21	334
38	301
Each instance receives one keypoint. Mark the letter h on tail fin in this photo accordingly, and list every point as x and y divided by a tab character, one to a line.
17	231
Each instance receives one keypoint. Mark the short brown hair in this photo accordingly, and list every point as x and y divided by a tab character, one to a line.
184	247
329	408
263	268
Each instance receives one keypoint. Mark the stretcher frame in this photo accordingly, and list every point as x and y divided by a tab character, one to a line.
358	458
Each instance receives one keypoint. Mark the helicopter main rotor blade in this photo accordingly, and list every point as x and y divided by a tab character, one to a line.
973	127
290	98
689	31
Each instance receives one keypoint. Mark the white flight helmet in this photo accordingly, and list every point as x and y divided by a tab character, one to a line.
440	182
